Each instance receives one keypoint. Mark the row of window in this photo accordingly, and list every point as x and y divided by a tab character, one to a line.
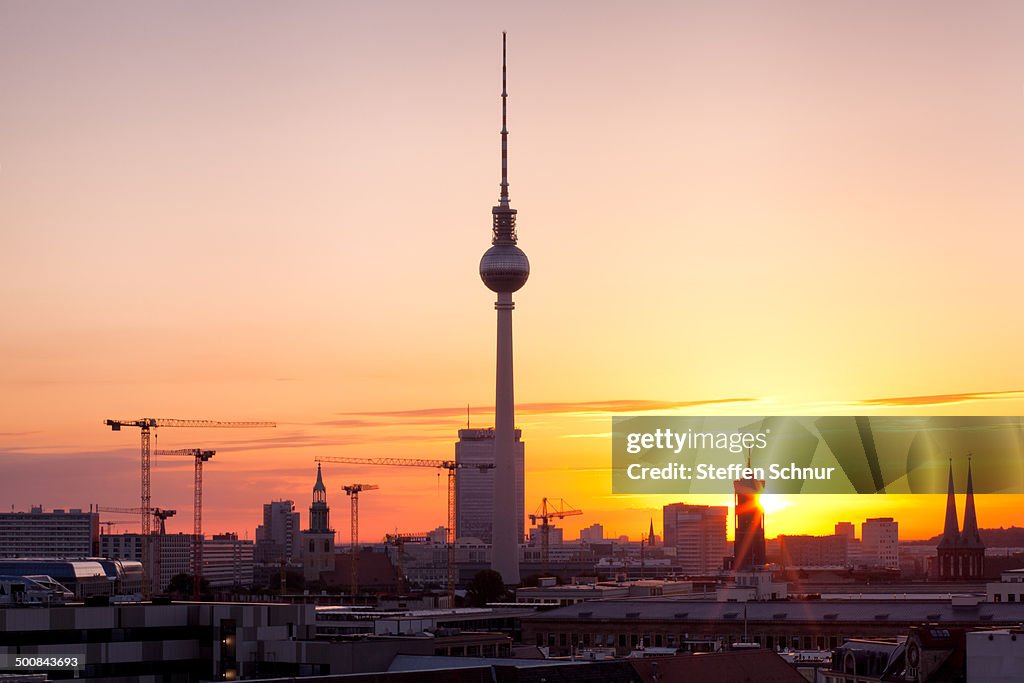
685	640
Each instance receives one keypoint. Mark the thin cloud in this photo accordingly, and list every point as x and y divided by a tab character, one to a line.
612	406
944	399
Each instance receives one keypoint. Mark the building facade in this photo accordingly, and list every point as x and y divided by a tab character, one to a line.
169	554
880	543
228	561
59	533
278	538
814	551
474	486
697	535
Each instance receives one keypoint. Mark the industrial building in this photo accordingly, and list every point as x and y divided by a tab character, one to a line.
85	578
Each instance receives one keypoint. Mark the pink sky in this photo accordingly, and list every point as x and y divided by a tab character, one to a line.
266	211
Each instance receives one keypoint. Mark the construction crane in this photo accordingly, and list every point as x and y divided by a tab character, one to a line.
399	540
146	425
449	465
544	514
109	525
200	456
158	514
353	491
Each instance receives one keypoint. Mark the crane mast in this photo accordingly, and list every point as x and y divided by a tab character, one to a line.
452	467
544	514
200	456
145	426
353	491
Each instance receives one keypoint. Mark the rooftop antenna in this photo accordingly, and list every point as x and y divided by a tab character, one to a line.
467	416
504	130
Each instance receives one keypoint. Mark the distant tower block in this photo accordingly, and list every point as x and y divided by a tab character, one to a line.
504	268
474	486
749	545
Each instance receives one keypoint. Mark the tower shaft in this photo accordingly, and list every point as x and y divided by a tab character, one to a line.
505	545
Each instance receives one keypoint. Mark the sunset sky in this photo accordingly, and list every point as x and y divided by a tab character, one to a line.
269	211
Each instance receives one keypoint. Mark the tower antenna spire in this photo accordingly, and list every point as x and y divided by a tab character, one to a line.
504	128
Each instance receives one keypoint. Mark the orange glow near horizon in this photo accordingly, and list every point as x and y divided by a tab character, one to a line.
242	211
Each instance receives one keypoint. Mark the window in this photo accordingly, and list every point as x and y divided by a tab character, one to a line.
312	546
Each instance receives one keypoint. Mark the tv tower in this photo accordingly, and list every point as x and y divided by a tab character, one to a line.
504	268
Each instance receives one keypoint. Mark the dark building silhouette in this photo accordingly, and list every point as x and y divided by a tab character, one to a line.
318	540
749	547
960	554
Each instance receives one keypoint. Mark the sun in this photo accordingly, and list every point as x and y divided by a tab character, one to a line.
772	503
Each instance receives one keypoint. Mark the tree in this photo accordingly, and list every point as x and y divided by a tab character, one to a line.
487	586
181	586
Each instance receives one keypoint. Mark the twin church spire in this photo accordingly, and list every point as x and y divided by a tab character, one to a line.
961	553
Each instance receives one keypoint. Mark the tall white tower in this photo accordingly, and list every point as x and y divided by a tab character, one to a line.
504	268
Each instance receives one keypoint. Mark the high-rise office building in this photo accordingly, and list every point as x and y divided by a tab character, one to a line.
749	546
880	542
592	533
318	540
278	537
504	269
474	486
698	535
56	534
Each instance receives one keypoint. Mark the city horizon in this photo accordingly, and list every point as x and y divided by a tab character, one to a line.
290	229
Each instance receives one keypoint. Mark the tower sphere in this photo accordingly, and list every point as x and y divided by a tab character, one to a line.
504	268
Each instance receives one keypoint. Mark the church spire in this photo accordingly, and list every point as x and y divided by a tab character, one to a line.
970	538
951	532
